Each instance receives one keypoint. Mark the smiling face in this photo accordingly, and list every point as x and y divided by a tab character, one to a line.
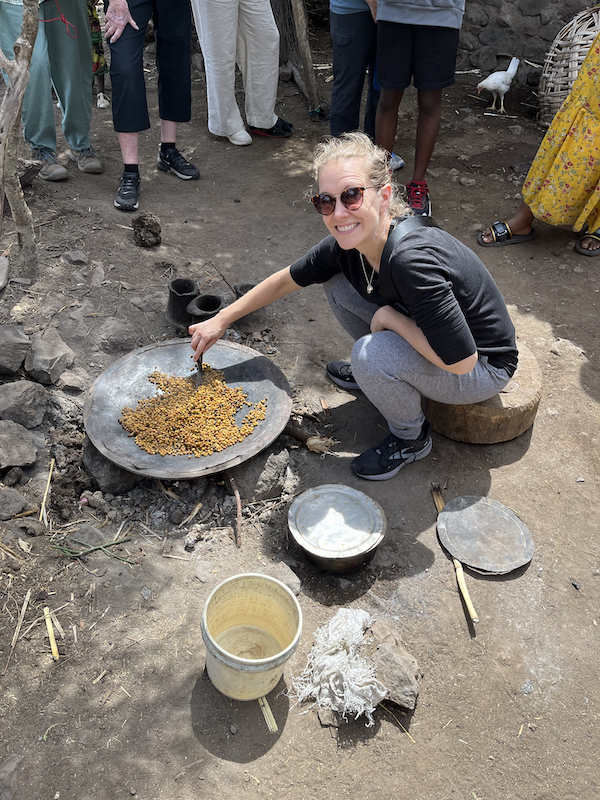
364	228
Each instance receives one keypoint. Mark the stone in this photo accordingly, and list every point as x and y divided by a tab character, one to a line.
23	402
13	476
465	181
97	277
4	269
76	380
48	357
17	445
517	130
287	576
14	345
146	230
155	303
203	571
117	336
12	503
260	478
394	665
108	476
76	258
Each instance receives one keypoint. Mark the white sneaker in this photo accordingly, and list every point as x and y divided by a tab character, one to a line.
240	138
396	162
102	101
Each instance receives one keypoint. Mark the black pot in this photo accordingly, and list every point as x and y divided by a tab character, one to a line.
204	307
181	291
255	320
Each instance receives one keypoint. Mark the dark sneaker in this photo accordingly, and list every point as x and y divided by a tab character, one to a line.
128	192
87	160
281	130
52	170
387	459
173	161
418	198
340	373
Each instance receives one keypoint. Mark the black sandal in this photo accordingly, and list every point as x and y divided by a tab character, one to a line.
503	235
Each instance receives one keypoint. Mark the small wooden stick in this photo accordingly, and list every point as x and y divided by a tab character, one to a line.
238	499
43	508
53	645
268	714
18	628
460	575
9	552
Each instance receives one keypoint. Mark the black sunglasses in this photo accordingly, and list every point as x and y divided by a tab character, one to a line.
352	199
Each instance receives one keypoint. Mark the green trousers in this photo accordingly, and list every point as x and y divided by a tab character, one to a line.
62	58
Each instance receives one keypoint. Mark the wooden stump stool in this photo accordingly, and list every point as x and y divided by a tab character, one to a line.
499	419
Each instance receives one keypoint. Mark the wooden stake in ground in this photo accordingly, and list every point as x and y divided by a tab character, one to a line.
18	628
10	133
51	636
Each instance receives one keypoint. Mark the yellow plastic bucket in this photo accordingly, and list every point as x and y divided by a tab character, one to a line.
251	625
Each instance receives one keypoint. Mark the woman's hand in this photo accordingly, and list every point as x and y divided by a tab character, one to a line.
205	334
116	19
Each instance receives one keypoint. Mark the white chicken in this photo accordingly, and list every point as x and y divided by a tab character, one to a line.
498	83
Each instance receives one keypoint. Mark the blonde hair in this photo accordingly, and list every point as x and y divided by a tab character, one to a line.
375	160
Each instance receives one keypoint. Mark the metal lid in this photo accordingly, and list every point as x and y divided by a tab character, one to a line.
484	534
334	521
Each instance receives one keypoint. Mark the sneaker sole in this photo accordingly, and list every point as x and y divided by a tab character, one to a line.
343	384
167	168
60	176
387	475
284	135
127	208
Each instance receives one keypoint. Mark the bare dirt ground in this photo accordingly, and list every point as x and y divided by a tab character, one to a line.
507	709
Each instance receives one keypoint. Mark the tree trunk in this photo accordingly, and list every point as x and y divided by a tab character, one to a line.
10	126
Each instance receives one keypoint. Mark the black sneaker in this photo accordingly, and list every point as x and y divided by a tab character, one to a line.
128	192
173	161
281	130
418	198
387	459
340	373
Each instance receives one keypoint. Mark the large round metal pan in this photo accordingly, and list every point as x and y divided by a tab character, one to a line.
484	535
126	382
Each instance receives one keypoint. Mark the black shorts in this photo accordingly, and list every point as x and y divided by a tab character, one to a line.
424	52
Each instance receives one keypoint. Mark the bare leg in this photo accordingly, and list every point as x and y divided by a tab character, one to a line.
386	120
428	125
129	143
100	83
168	131
520	223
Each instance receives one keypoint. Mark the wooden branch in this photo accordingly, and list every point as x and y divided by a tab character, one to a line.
301	24
10	129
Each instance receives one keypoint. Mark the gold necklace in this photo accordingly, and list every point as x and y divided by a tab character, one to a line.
368	281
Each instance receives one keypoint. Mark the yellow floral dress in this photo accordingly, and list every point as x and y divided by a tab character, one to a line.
563	183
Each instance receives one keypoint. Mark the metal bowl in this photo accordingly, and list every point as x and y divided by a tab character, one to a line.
339	528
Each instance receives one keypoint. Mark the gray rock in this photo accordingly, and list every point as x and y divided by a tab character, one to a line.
76	380
9	777
76	258
395	667
517	130
89	535
204	571
14	345
156	302
48	357
4	268
13	476
260	479
97	277
465	181
117	336
12	503
108	476
287	576
23	402
17	445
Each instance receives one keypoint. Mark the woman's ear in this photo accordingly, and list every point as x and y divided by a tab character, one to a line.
386	195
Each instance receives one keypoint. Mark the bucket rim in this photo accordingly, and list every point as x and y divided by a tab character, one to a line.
251	664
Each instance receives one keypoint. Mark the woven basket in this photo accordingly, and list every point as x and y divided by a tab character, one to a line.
564	59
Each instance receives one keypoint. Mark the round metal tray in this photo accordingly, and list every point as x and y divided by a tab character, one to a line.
337	526
126	382
484	535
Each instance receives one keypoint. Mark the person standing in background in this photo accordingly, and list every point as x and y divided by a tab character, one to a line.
100	65
244	31
125	26
61	59
354	40
416	39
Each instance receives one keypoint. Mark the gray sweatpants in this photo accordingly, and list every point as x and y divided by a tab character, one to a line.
394	376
